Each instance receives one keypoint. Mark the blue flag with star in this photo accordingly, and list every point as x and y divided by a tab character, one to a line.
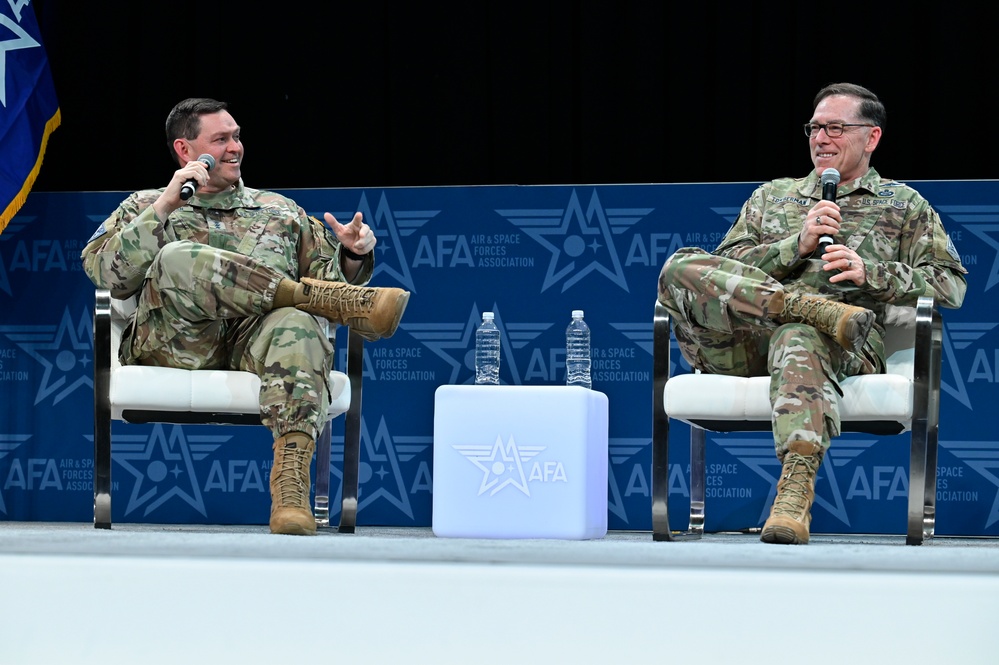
29	110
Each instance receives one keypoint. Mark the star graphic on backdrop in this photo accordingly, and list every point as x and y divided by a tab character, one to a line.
163	468
980	456
581	241
981	221
982	232
623	449
66	355
21	40
455	342
381	462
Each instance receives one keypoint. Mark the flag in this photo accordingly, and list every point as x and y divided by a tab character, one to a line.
29	110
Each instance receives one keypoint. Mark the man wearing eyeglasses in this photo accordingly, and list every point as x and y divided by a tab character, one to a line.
772	300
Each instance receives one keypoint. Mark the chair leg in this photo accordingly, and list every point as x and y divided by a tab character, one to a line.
660	482
322	500
102	470
698	480
660	426
925	423
352	435
102	409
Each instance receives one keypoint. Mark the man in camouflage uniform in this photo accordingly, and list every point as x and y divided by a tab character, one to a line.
233	278
770	301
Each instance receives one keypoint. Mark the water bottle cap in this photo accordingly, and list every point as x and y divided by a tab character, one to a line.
487	316
577	313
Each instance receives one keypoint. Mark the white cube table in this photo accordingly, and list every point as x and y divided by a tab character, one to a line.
520	462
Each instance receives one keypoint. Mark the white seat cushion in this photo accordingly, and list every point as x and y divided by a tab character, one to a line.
201	391
889	396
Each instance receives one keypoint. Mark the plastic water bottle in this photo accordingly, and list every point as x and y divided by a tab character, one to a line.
487	352
577	352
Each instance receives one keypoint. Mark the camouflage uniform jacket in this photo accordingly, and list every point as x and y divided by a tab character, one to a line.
901	239
264	225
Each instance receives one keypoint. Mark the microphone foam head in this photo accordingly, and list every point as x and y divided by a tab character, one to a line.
830	176
209	161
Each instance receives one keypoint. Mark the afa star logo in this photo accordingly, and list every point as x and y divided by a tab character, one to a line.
502	464
389	227
162	467
981	456
623	451
983	222
455	343
65	353
15	225
959	336
8	444
581	242
380	476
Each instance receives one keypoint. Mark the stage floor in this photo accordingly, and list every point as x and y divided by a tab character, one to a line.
170	594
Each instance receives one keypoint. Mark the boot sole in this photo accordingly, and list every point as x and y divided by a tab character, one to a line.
292	529
782	535
358	325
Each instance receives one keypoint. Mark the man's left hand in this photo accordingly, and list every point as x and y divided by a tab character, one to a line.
849	266
356	236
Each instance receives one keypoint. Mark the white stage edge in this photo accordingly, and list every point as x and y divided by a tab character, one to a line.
241	608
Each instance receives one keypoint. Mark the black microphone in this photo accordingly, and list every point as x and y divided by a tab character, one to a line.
187	190
830	179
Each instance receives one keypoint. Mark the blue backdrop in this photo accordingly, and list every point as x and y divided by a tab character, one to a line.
531	255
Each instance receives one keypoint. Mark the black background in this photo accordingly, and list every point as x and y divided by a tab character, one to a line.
374	94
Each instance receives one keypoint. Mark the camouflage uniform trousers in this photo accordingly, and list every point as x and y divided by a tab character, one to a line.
719	311
206	308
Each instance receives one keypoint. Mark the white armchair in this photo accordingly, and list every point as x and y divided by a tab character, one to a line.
905	398
142	394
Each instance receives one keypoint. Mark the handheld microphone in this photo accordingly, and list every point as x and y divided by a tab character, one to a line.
187	190
830	179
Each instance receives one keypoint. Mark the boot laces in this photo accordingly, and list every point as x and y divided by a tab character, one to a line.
341	298
792	497
293	476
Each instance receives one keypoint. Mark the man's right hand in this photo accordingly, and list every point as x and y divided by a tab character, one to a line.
822	220
170	199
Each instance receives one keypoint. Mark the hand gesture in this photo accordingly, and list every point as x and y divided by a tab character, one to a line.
356	236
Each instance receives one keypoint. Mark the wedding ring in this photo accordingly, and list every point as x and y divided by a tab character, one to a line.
849	263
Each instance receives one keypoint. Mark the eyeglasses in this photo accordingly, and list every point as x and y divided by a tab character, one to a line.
833	129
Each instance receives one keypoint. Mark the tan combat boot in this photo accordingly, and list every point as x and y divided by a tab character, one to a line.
372	312
790	516
847	324
290	483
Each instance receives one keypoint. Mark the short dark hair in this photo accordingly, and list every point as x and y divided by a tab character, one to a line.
184	120
871	108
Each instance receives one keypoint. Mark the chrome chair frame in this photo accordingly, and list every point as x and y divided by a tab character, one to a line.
923	427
